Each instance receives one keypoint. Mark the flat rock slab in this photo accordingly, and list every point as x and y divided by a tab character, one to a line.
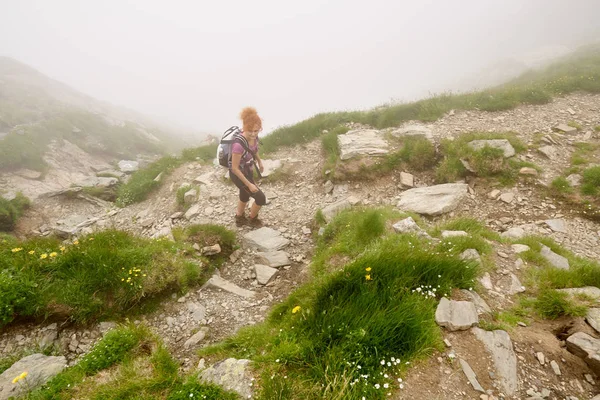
520	248
513	233
470	255
128	166
220	283
408	225
451	234
273	259
470	374
557	225
556	260
433	200
549	151
40	369
480	304
413	130
586	347
593	318
501	144
363	142
498	343
264	273
456	315
266	239
331	210
270	166
231	374
566	128
591	292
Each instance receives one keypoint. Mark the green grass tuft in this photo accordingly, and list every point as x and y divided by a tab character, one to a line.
144	181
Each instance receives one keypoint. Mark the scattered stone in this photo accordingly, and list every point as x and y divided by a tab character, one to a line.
501	144
593	318
549	151
264	273
586	347
190	196
192	212
574	180
220	283
523	324
588	291
270	166
470	375
433	200
528	171
362	142
456	315
211	250
413	130
498	343
520	248
565	128
128	166
590	379
328	187
407	180
273	259
196	338
231	374
486	281
494	194
408	225
515	285
540	357
507	197
331	210
554	259
266	239
480	304
470	254
555	367
513	233
557	225
451	234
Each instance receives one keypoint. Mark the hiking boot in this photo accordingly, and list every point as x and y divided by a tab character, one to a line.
240	220
255	222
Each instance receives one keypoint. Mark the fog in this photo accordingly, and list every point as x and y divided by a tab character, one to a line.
197	63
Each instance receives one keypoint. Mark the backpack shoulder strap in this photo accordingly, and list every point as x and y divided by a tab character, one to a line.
242	140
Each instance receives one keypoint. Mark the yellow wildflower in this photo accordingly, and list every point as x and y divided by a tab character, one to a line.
62	248
17	249
90	239
31	251
18	378
53	254
368	269
76	242
296	309
43	256
368	277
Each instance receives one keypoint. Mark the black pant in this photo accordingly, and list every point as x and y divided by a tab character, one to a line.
245	193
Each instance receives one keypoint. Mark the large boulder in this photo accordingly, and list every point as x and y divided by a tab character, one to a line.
39	370
501	144
433	200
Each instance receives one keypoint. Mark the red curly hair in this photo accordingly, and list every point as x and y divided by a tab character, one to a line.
251	120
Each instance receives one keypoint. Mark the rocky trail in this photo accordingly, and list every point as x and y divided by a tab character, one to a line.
535	361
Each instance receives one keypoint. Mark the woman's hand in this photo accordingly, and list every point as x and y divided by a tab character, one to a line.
252	188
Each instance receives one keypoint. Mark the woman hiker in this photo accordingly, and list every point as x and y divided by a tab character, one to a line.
242	169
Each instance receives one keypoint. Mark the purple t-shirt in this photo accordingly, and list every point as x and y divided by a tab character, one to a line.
246	160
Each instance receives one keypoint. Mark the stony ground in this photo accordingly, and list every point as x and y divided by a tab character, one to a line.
294	199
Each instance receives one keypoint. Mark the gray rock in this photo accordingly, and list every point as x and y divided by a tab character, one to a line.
413	130
270	166
196	338
513	233
470	374
586	347
205	179
407	180
264	273
220	283
520	248
211	250
408	225
501	144
451	234
507	197
470	254
591	292
265	239
565	128
433	200
549	151
494	194
593	318
554	259
574	180
480	304
557	225
190	196
328	187
40	369
363	142
515	285
231	374
528	171
555	368
333	209
128	166
498	343
273	259
192	212
486	281
456	315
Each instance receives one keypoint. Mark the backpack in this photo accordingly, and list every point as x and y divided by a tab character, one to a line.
231	135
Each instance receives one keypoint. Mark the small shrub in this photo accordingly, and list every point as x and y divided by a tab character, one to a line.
11	211
561	186
143	181
590	181
552	304
575	125
111	349
180	195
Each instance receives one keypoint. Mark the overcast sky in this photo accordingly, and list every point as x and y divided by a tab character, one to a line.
197	63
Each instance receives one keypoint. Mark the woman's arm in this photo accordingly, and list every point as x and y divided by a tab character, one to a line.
235	168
